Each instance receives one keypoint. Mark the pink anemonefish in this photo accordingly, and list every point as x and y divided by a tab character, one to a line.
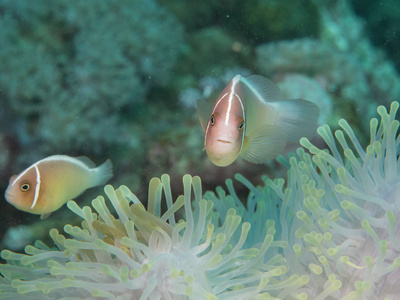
49	183
251	118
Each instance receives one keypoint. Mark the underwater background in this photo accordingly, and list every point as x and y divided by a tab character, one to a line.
119	80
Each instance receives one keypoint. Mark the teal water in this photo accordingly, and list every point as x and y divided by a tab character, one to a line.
119	80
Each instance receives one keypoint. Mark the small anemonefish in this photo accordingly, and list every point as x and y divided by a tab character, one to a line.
49	183
252	119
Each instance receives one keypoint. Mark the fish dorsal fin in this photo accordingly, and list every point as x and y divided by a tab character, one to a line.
262	88
298	118
265	143
204	109
86	161
82	161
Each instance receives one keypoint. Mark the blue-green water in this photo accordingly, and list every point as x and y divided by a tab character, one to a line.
119	80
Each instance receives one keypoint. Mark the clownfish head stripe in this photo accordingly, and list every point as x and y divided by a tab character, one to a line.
19	176
37	188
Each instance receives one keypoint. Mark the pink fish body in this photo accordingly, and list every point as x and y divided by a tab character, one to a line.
251	119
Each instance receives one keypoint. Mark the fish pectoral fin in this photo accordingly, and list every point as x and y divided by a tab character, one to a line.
204	109
45	216
265	143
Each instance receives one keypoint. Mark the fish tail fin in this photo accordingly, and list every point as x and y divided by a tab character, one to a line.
298	118
103	173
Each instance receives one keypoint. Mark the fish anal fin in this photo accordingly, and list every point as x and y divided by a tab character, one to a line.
45	216
265	143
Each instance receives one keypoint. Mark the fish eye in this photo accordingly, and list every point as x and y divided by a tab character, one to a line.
25	187
241	125
212	120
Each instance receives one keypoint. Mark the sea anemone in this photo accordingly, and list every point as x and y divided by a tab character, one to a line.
144	254
338	213
329	232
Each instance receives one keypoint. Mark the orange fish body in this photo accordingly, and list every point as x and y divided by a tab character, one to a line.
49	183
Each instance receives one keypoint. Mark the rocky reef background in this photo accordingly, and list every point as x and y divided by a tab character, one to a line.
119	80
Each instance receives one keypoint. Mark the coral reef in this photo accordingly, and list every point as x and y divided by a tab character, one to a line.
74	71
382	25
342	30
356	75
331	233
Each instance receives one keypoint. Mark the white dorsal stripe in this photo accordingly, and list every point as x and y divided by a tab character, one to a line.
37	188
228	111
20	175
254	90
263	89
66	158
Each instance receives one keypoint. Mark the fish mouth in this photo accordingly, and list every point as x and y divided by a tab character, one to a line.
8	197
224	141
